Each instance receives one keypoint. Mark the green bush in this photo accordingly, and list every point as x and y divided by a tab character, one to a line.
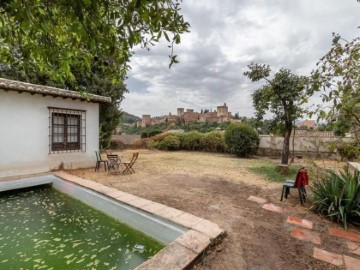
150	133
338	197
169	143
212	142
152	144
241	140
193	141
190	140
348	151
160	137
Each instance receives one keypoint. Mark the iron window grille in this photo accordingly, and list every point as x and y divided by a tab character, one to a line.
67	130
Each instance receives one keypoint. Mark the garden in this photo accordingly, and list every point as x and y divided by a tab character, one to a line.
335	193
217	186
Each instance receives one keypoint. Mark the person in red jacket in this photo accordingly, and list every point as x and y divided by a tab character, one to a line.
302	178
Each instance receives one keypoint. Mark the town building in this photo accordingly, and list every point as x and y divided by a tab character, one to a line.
183	116
310	124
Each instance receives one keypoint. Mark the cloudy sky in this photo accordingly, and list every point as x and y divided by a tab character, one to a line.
226	36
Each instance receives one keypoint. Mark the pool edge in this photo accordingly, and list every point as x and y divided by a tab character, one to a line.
183	251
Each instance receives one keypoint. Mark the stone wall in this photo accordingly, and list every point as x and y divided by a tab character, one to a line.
126	140
303	146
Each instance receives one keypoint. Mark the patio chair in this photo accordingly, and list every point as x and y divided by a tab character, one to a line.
300	182
128	165
99	160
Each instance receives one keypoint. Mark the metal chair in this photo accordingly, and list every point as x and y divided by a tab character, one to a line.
300	182
99	160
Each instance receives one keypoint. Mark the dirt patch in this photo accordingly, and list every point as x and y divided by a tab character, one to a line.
216	187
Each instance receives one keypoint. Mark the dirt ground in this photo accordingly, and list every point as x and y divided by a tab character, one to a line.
216	187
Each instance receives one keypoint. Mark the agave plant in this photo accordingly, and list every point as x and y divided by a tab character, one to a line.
337	195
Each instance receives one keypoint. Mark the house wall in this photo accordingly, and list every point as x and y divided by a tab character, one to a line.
24	134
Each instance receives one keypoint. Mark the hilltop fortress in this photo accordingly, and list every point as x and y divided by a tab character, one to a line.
219	116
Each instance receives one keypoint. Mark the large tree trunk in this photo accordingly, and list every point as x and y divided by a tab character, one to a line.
286	146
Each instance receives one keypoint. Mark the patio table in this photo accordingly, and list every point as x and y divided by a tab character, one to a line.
114	163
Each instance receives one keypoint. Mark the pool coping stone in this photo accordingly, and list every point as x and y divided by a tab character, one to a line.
202	234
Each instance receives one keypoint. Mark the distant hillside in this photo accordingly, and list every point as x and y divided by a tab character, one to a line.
128	118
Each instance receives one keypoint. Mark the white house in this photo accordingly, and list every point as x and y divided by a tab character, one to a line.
45	128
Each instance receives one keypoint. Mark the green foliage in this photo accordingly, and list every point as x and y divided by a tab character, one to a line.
338	196
169	143
212	142
83	46
150	132
241	140
109	113
348	151
194	126
153	144
190	140
160	137
201	127
264	126
128	118
282	96
57	37
142	130
337	76
271	172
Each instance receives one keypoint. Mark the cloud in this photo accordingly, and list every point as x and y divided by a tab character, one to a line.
225	37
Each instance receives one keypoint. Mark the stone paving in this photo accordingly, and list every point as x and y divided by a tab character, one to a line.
303	230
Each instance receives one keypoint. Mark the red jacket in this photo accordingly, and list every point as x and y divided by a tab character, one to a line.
302	179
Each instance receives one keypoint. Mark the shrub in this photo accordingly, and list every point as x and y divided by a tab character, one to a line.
348	151
338	197
190	140
160	137
150	133
153	144
241	140
170	143
213	142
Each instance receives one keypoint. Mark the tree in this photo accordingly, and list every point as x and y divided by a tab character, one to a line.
241	140
338	78
57	37
84	45
282	96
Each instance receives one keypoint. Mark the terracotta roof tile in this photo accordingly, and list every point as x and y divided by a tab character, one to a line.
10	85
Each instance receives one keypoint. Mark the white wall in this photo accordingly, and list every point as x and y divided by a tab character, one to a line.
24	134
316	146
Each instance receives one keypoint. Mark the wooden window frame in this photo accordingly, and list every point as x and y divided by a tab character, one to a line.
66	130
65	145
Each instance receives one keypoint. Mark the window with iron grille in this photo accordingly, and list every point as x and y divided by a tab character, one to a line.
66	130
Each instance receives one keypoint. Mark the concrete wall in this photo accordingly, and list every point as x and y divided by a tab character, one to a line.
24	134
304	146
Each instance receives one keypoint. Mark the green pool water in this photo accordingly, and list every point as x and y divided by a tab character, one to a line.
44	229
